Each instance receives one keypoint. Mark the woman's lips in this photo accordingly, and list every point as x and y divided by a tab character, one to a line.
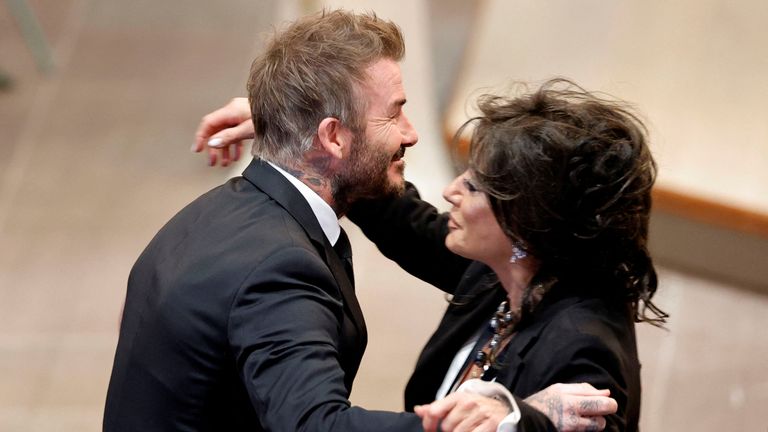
452	225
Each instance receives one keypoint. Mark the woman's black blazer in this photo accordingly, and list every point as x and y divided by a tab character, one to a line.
570	338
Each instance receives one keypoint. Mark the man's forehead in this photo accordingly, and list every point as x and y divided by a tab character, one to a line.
384	68
385	81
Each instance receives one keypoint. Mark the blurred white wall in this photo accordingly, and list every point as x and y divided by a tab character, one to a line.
695	68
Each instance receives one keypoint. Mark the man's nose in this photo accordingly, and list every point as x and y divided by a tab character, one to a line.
410	136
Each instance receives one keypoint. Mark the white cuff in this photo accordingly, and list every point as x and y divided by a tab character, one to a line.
496	391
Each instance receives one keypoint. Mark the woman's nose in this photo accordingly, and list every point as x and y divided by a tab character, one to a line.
451	192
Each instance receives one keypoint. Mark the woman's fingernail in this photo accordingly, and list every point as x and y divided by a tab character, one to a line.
215	142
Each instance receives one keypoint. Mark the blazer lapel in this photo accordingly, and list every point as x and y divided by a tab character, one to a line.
515	356
266	178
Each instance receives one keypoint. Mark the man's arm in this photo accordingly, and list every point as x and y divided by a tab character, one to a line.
285	334
412	233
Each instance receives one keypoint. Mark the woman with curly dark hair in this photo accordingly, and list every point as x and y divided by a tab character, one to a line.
544	251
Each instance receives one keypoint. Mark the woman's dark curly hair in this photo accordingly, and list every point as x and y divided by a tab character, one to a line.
568	175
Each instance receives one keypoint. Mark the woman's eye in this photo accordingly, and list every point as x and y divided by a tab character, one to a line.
469	185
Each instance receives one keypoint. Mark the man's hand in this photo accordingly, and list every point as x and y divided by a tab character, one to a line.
459	412
223	131
574	407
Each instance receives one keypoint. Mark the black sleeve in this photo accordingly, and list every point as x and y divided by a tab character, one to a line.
595	359
590	359
284	333
532	420
412	233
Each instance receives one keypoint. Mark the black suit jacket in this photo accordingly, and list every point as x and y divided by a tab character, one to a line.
570	338
239	316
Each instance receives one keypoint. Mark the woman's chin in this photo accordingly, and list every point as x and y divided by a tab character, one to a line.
454	247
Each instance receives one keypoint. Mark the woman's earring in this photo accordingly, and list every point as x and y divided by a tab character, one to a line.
517	254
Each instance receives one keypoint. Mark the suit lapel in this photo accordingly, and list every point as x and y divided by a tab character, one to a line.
266	178
346	286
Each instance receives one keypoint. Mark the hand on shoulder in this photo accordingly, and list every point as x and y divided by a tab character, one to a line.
223	132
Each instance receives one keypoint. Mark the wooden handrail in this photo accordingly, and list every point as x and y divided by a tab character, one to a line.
709	211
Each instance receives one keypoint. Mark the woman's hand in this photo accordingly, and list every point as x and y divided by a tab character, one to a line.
223	131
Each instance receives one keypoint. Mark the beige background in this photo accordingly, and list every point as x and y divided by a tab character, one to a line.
94	161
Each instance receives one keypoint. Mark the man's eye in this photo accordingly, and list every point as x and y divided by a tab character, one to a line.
470	186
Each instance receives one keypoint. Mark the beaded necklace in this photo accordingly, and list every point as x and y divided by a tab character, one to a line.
503	323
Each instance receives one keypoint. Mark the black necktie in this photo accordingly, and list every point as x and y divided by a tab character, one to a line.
344	251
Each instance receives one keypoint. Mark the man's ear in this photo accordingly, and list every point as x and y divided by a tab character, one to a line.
334	138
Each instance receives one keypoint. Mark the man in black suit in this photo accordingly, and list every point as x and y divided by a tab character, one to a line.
241	313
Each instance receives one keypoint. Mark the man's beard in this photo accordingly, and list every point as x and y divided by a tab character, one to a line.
365	175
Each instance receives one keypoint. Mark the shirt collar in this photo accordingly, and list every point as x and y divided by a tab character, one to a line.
323	212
